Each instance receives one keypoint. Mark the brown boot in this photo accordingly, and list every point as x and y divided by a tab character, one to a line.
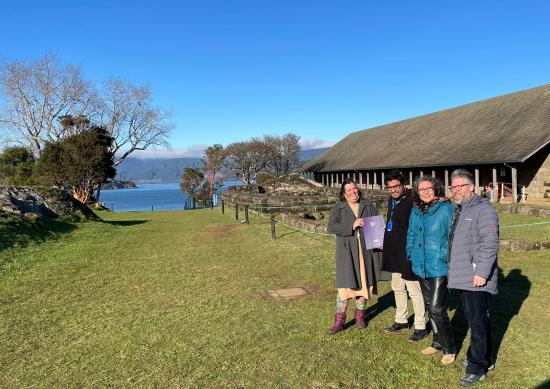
360	318
339	321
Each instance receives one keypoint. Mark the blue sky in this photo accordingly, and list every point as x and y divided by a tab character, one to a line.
231	70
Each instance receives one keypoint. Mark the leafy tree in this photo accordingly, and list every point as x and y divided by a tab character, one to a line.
194	184
16	166
81	161
213	162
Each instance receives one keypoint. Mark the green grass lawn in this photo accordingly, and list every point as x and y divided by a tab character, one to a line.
178	299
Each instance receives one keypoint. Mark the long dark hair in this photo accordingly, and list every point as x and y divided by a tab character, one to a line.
347	181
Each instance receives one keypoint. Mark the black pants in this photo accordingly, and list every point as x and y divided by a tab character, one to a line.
476	310
436	296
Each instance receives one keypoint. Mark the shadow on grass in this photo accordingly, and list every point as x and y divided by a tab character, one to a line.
124	223
23	232
544	385
382	303
513	290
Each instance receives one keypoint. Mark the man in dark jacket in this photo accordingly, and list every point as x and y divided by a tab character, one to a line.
473	250
394	259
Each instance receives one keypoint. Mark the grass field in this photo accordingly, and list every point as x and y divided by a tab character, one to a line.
178	299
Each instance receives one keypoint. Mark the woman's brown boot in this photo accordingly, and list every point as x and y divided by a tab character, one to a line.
339	321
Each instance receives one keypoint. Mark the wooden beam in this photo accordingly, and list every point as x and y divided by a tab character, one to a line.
476	178
447	190
514	184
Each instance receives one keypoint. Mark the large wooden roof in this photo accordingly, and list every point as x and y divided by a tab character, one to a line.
504	129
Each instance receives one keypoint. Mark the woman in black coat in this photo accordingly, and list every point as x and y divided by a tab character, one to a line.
357	269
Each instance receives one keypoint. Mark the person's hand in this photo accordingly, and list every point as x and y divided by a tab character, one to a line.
358	223
479	281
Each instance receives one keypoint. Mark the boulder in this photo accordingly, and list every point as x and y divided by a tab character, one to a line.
42	203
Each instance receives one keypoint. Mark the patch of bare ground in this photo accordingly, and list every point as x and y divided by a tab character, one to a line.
217	231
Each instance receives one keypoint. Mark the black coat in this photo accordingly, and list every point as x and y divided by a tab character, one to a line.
394	258
347	250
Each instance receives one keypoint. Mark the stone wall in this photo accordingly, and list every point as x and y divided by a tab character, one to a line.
537	173
294	202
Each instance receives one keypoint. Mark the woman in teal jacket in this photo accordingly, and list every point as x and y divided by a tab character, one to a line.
427	248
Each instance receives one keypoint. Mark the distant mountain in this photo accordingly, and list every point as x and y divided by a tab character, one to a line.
308	155
157	170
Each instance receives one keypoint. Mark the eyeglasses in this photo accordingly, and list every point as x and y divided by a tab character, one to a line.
426	190
459	187
394	188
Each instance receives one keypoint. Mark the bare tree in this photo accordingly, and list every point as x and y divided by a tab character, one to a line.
128	113
36	96
283	153
246	159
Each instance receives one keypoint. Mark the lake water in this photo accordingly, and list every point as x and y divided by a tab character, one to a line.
149	197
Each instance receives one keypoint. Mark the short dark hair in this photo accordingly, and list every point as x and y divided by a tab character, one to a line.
439	191
347	181
464	174
394	175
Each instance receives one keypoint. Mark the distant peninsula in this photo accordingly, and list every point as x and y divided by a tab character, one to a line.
115	184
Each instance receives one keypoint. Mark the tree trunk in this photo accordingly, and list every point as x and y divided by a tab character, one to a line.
82	193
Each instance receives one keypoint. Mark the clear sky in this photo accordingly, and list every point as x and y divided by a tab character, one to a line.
230	70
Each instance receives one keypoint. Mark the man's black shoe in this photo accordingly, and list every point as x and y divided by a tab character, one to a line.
396	327
471	379
418	335
464	363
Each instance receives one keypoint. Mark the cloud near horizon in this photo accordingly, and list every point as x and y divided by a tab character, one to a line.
197	151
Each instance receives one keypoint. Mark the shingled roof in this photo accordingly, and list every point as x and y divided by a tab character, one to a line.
503	129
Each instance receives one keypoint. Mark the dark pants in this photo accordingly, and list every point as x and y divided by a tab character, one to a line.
436	296
476	310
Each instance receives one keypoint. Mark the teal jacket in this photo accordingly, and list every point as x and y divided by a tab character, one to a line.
428	239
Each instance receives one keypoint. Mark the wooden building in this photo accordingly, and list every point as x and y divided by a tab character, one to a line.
503	140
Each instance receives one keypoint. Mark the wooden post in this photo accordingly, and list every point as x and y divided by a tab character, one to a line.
374	183
368	179
494	198
273	227
361	178
514	184
411	178
223	207
237	211
246	214
421	173
447	190
476	177
433	173
382	181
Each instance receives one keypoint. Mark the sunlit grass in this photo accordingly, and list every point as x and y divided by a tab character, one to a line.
177	299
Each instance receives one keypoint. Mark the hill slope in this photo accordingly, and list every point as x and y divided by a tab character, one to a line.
157	170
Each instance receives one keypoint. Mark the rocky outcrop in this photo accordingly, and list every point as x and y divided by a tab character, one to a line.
42	203
114	184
